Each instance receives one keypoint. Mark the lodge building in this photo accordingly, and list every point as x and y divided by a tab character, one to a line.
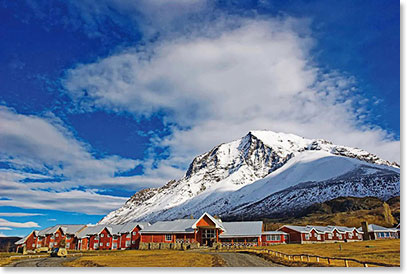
204	231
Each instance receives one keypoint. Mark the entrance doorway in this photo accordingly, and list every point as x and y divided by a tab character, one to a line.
208	237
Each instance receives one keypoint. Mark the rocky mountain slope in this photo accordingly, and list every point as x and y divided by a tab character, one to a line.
264	173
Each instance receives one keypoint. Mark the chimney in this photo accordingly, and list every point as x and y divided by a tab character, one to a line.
365	229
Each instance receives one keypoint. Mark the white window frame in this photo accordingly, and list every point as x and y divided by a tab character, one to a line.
33	245
329	236
133	242
318	237
101	243
306	236
95	245
57	234
134	233
350	234
168	237
67	245
107	244
102	235
127	243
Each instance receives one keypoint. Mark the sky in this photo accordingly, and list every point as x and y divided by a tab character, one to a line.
100	99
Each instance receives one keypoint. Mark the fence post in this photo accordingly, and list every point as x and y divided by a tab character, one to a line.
329	261
307	258
365	265
346	263
301	258
317	259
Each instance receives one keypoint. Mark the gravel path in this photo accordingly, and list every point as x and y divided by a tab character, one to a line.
41	262
244	260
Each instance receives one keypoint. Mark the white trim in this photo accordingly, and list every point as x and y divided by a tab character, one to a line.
211	218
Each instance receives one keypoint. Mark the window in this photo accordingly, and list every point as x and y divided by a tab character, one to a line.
127	243
350	235
57	234
387	234
209	233
96	238
95	245
114	245
306	236
339	236
51	244
33	245
114	237
318	237
133	242
107	244
52	238
168	237
273	238
102	235
67	245
68	237
101	244
134	233
330	236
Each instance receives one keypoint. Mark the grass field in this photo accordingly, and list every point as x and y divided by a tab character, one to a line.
383	251
147	258
5	258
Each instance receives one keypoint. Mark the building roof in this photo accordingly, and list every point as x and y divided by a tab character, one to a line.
242	229
22	240
180	226
66	229
273	233
303	229
378	228
218	223
93	230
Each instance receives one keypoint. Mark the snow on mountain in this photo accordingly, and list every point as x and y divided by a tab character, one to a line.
235	175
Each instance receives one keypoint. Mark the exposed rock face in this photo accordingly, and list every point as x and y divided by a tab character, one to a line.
232	176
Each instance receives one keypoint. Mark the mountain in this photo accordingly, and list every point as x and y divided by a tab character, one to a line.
262	174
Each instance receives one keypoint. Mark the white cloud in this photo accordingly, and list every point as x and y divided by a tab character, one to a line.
4	222
5	228
18	214
26	196
44	144
217	84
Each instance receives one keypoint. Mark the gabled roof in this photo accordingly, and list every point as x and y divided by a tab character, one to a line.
242	229
93	230
217	222
22	240
180	226
302	229
128	227
66	229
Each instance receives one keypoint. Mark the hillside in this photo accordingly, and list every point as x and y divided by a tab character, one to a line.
344	211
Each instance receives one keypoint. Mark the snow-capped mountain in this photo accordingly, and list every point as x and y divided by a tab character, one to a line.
264	173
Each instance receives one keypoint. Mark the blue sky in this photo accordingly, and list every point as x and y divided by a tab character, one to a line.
99	99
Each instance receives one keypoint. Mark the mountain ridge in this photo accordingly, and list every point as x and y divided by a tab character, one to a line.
241	165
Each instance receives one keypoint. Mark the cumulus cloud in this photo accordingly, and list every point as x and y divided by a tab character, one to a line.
5	228
218	83
4	222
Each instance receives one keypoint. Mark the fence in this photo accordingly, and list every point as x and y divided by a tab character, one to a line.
307	257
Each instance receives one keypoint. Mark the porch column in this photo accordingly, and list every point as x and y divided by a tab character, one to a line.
217	235
195	235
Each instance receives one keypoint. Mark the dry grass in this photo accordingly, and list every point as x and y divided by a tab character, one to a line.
146	258
5	258
381	251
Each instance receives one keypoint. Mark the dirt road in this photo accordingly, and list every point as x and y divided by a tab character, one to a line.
41	262
244	260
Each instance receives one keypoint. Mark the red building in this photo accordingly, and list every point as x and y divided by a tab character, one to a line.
318	234
208	230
